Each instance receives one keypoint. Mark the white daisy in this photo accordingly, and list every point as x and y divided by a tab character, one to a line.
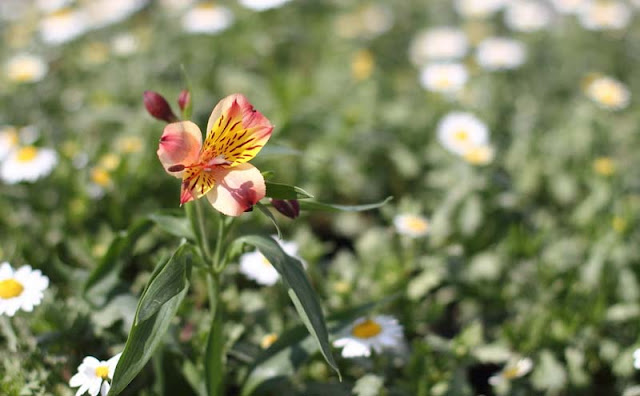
28	164
568	6
23	68
365	334
63	26
94	376
256	266
207	18
441	43
478	8
444	77
498	53
411	225
527	16
8	140
604	15
107	12
481	154
636	359
20	289
261	5
459	132
608	93
125	44
512	370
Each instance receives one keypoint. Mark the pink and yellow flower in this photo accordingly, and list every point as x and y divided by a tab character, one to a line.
219	168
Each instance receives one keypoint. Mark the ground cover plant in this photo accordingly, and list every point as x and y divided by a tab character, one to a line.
332	197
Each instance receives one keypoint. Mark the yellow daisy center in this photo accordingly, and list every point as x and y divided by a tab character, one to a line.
609	94
266	262
478	155
511	372
102	372
10	288
27	154
268	340
619	224
100	177
366	329
65	12
461	136
416	224
604	166
443	81
362	65
23	71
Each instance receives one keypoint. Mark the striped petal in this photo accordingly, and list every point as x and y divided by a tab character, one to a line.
179	146
237	189
196	182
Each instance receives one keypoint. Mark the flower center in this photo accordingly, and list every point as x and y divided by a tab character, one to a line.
266	262
102	372
10	288
511	372
610	95
443	81
366	329
27	154
461	135
416	224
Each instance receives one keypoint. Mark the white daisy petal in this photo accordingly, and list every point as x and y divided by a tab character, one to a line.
20	289
365	334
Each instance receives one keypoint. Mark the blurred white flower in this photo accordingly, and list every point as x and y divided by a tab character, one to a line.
63	26
107	12
608	93
512	370
20	289
568	6
51	5
604	15
636	359
375	333
481	154
478	8
367	22
94	376
207	18
444	77
28	164
499	53
411	225
23	68
125	44
441	43
8	140
261	5
527	16
256	266
459	132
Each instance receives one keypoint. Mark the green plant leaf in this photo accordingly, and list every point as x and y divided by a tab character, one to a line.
270	216
285	191
315	206
300	291
105	275
170	281
175	225
145	336
214	355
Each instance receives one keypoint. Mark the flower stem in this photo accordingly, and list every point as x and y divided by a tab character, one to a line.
214	354
196	218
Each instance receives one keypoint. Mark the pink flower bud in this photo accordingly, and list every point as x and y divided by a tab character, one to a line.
158	107
184	99
288	207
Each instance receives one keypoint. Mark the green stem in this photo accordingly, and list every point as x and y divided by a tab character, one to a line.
219	261
196	218
214	354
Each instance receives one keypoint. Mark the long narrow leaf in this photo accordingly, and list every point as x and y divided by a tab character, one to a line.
315	206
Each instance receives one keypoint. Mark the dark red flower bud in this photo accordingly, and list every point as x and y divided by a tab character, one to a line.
184	99
158	107
288	207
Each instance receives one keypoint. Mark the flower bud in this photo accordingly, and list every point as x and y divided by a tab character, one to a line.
158	107
184	99
288	207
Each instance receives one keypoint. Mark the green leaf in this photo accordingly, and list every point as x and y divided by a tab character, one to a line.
144	337
300	291
105	275
269	215
170	281
285	191
214	355
324	207
175	225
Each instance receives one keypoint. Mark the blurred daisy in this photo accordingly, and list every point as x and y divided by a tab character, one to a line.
478	8
459	132
604	166
28	164
481	154
256	266
8	140
63	26
444	77
268	340
568	6
498	53
636	359
20	289
125	44
365	334
107	12
25	68
261	5
512	370
94	376
362	65
527	16
441	43
207	18
51	5
411	225
366	22
604	15
608	93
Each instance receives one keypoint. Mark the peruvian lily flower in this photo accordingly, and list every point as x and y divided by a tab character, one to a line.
219	168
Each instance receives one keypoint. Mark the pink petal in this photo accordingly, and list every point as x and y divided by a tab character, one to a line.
251	118
237	189
180	145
